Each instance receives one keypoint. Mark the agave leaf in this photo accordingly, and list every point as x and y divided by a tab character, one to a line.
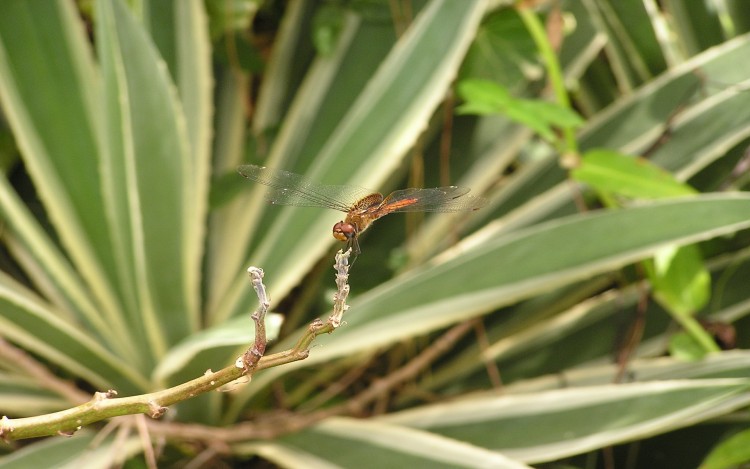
551	425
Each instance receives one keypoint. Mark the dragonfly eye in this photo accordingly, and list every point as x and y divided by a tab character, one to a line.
344	231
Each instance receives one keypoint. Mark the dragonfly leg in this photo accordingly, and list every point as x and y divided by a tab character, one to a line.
353	244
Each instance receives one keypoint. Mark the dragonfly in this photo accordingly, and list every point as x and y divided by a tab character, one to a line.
362	206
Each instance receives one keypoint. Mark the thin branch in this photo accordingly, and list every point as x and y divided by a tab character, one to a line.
342	288
106	405
273	425
255	353
493	372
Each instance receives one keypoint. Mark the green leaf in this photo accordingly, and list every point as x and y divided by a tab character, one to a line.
146	173
50	89
348	442
503	51
613	173
680	280
21	396
554	114
485	98
29	322
85	449
539	427
731	453
728	364
683	346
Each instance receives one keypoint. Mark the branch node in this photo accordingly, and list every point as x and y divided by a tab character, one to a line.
342	287
316	325
5	427
155	410
249	360
102	396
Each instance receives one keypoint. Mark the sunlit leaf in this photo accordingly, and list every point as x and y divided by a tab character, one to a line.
626	176
730	453
485	98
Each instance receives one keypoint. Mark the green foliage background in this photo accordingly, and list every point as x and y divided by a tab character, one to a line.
126	229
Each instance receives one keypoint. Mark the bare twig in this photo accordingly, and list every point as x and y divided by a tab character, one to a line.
493	372
342	287
270	426
253	355
106	405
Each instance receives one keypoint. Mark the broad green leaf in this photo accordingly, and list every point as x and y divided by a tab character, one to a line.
484	97
502	51
195	86
147	176
631	43
701	120
526	342
52	272
85	449
29	322
697	27
728	364
347	442
539	427
22	396
49	91
610	172
678	277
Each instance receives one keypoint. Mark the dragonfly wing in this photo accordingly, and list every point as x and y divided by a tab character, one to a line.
294	189
436	199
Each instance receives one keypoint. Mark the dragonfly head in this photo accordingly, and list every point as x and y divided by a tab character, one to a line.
347	232
344	231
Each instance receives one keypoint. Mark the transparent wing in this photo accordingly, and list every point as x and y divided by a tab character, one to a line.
294	189
436	199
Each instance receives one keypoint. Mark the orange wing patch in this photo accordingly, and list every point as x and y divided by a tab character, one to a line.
388	207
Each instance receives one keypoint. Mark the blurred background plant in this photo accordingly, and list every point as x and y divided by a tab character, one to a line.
537	330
